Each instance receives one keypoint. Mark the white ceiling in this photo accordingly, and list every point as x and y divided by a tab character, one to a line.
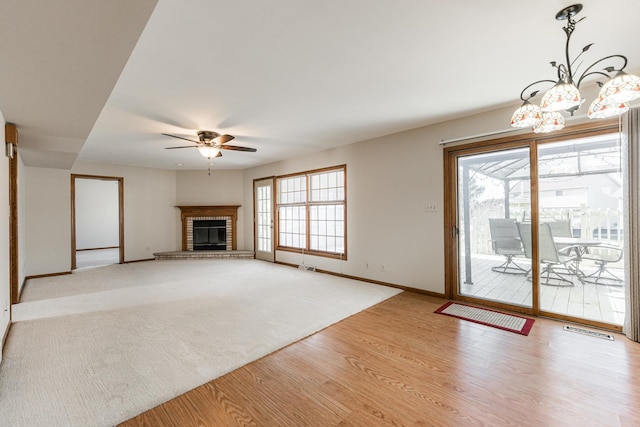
287	77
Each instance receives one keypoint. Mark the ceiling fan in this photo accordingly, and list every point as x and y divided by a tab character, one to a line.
211	143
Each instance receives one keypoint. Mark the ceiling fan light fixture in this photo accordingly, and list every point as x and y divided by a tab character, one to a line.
210	144
208	151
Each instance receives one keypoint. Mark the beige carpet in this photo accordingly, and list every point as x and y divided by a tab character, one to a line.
121	339
97	257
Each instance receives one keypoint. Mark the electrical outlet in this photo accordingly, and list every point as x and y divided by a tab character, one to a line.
366	265
147	249
382	269
431	207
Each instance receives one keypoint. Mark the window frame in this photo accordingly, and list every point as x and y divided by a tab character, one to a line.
307	204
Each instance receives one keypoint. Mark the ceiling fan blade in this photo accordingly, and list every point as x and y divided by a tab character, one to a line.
236	148
184	146
179	137
223	139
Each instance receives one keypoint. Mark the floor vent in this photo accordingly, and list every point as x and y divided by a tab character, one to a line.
307	267
582	331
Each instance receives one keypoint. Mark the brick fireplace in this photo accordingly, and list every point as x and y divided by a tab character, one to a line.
229	214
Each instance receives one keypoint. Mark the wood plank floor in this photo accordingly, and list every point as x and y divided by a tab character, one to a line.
399	364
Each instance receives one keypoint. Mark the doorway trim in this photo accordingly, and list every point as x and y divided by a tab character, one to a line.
265	256
120	181
11	136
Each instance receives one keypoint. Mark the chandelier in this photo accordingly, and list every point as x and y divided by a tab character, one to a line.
616	92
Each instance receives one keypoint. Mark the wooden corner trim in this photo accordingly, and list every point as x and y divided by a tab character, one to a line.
11	134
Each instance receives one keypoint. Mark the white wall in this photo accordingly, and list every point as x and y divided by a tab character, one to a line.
149	207
222	187
5	288
48	227
97	213
389	182
149	213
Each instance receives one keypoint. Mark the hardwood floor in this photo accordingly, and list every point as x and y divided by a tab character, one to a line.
400	364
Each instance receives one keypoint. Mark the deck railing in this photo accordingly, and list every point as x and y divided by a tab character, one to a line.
601	224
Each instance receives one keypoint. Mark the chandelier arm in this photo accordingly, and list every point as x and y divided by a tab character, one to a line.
568	30
564	74
593	73
587	73
565	95
584	49
536	92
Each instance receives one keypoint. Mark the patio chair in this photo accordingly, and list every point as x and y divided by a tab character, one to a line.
560	227
524	232
505	241
602	255
557	264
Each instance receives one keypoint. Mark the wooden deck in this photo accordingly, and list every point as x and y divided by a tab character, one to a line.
588	301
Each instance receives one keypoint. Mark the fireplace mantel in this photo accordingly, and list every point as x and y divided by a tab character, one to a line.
189	212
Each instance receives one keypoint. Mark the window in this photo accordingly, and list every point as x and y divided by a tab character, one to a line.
311	212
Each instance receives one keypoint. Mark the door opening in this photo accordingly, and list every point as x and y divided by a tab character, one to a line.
97	221
263	219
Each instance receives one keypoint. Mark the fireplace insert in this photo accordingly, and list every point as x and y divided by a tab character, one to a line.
210	235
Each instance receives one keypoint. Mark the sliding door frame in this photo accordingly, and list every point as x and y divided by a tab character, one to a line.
527	140
451	155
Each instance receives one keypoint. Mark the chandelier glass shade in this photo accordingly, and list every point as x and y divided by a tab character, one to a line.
560	97
616	92
622	88
603	108
550	121
527	116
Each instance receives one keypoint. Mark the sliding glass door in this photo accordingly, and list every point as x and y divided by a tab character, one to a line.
580	208
536	225
493	210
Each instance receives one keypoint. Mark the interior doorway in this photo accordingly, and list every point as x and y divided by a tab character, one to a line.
97	221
